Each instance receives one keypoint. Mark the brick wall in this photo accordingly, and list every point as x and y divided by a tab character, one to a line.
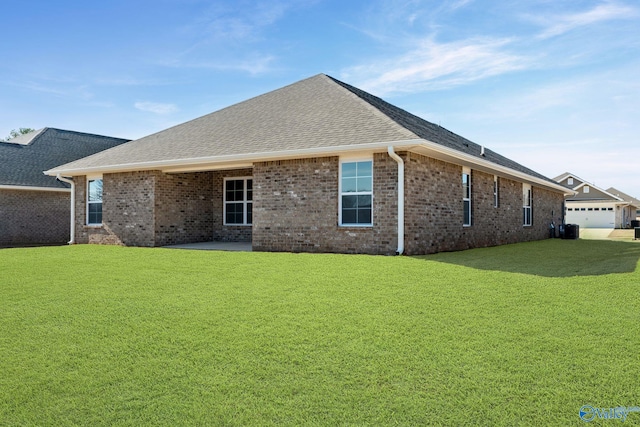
434	209
296	208
149	208
183	208
221	232
34	217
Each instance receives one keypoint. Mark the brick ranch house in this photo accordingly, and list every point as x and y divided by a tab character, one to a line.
316	166
34	208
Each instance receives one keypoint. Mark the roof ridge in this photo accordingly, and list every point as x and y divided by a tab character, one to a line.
27	138
435	133
354	91
75	132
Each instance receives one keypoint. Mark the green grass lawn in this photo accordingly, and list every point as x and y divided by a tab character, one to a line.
515	335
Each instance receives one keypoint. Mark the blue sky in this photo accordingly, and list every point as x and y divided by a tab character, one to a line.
552	84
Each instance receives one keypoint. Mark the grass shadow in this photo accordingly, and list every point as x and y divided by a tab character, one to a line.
550	258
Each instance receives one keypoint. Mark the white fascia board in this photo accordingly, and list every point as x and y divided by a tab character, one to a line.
239	161
234	161
29	188
476	163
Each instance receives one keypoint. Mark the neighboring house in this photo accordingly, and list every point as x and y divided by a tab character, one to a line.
35	208
594	207
316	166
629	212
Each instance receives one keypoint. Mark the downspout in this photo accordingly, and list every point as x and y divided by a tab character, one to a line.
59	177
400	162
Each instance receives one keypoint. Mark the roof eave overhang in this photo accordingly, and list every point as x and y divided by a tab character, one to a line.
32	188
440	152
240	161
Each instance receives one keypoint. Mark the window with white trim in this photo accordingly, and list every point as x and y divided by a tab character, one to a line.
526	205
570	181
356	193
586	189
466	196
496	197
238	201
94	201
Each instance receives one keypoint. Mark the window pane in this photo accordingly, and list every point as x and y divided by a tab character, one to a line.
364	168
95	213
349	185
357	177
364	184
249	189
364	201
349	170
349	202
466	190
349	216
95	190
467	212
249	213
234	190
234	213
364	216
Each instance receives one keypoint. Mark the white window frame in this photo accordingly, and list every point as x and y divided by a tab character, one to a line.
570	181
466	197
91	179
244	201
356	193
527	205
586	189
496	191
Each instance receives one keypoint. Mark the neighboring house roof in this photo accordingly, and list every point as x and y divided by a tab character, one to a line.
24	158
627	198
564	180
314	117
595	194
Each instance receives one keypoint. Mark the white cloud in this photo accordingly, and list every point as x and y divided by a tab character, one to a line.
430	65
156	108
254	65
560	24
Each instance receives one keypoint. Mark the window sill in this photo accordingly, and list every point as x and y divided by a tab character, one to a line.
238	225
355	225
92	226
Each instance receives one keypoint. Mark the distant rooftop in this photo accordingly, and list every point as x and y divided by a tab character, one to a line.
24	158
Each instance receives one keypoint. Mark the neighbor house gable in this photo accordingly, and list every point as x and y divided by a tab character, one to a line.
569	180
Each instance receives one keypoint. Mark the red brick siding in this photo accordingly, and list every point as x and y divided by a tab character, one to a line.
149	209
183	208
434	214
296	208
34	217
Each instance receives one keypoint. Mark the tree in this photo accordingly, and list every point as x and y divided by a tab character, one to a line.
14	133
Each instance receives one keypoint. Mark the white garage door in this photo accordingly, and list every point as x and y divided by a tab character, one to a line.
595	217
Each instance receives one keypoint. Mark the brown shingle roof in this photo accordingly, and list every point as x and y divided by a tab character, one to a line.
319	113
